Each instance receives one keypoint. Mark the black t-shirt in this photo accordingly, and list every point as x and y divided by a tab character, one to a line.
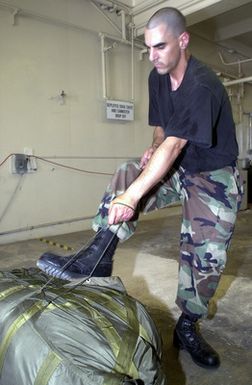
199	111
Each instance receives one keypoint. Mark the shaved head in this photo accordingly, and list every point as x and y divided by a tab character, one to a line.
171	17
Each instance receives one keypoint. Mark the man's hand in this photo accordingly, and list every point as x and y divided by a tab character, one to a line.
146	157
121	209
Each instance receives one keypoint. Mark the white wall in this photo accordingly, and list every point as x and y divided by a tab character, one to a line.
40	55
38	59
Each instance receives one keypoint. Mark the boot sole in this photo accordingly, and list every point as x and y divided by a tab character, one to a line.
69	275
53	272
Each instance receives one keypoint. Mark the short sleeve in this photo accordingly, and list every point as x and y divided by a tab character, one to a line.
195	115
154	116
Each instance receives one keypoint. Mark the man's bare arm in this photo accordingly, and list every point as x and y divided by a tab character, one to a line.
158	138
157	167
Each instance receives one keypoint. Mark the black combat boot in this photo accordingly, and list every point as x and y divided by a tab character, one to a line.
83	263
187	337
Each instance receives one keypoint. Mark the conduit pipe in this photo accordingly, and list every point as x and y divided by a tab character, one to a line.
120	40
14	14
122	14
132	64
105	16
237	81
104	36
48	19
234	63
103	64
34	227
111	4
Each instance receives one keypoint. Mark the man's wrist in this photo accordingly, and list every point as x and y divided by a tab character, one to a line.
155	146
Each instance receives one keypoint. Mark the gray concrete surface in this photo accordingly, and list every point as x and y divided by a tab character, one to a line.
147	265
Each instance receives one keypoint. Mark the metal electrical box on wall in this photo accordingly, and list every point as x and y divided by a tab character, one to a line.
19	164
119	110
23	163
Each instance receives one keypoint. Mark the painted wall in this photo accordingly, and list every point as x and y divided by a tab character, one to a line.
55	46
40	57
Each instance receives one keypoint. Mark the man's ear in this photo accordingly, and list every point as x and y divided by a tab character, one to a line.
184	39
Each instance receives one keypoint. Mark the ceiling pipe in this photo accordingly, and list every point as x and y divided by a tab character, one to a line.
119	12
94	4
61	23
131	43
237	81
235	62
112	4
120	40
122	14
103	64
14	15
132	62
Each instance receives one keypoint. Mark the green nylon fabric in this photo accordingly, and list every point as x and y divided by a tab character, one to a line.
46	370
93	334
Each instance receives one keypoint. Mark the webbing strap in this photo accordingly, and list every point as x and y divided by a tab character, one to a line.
126	356
122	346
15	289
108	300
143	333
113	338
11	290
46	370
15	326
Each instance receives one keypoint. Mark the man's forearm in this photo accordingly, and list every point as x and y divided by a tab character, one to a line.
158	166
158	137
123	207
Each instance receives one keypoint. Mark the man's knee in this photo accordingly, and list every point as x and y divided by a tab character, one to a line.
126	173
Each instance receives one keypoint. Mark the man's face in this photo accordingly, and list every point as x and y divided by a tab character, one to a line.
164	48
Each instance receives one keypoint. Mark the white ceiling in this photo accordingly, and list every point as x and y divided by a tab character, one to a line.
231	31
224	23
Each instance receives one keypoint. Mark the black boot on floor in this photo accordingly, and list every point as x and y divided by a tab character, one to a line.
81	264
187	337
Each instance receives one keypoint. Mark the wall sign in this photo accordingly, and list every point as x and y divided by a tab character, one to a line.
119	110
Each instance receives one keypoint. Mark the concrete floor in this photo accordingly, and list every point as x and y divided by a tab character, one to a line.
147	265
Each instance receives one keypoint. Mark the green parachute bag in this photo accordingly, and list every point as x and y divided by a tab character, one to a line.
89	333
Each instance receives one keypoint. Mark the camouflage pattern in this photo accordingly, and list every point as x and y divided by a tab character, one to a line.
210	201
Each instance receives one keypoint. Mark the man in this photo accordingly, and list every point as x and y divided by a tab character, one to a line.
193	160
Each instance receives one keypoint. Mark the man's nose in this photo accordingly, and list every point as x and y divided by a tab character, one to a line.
153	54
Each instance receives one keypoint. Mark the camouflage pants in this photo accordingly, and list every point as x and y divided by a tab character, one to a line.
210	201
